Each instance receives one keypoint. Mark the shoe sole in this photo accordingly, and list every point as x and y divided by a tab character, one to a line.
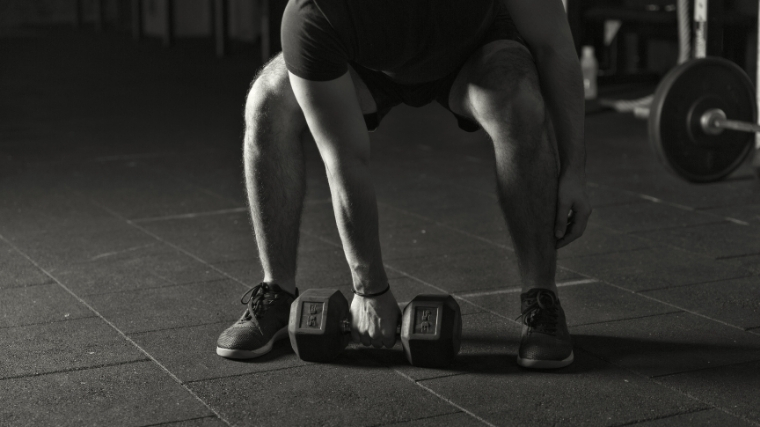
231	353
545	364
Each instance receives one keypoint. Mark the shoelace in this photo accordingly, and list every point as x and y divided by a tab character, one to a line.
259	298
542	312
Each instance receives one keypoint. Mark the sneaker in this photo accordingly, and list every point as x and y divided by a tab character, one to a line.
264	322
545	342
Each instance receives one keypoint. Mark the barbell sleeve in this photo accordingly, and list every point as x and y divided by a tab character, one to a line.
736	125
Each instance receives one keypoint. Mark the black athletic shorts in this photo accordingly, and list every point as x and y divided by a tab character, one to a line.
388	94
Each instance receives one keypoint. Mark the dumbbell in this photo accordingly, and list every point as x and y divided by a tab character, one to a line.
430	330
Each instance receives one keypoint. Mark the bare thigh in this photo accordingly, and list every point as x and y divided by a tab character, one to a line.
494	70
274	77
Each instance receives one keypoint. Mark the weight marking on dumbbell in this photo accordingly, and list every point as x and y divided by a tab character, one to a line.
311	315
425	320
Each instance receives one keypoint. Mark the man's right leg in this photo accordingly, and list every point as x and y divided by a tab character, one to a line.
274	171
275	180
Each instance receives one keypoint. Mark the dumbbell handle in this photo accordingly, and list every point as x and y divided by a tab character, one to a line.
346	327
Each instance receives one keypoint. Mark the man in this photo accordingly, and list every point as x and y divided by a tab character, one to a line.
506	66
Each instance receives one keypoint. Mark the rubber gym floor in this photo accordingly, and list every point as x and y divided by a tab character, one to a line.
125	246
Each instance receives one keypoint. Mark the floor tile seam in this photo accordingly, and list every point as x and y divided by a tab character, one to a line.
439	289
644	196
415	419
166	423
50	322
152	155
119	331
661	417
266	371
666	303
175	328
424	256
657	245
673	389
190	215
617	204
386	265
190	184
47	282
716	407
164	241
669	228
125	157
678	307
449	375
734	205
679	206
77	369
686	285
441	224
514	290
491	194
706	368
729	257
150	288
646	316
445	399
608	252
669	313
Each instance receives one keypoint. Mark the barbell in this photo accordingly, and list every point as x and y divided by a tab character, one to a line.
703	118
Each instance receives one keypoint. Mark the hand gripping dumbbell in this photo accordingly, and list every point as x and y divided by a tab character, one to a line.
430	330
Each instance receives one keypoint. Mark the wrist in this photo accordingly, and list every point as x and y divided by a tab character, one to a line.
374	294
577	170
371	289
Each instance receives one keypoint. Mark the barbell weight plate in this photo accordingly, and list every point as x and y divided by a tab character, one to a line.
675	132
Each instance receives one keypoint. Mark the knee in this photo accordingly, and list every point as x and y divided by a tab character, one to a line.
271	107
507	91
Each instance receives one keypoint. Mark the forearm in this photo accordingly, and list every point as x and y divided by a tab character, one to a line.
355	208
334	117
562	87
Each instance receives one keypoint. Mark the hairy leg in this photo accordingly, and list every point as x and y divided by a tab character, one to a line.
274	171
498	87
274	168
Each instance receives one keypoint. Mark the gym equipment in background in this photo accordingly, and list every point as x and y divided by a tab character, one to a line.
702	119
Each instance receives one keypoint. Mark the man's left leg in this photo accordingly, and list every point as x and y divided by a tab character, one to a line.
498	88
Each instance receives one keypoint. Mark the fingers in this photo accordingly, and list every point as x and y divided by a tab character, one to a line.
374	320
389	335
365	339
355	336
575	227
379	336
375	336
560	222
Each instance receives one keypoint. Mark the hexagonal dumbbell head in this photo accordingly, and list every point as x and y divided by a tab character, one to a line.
315	325
431	330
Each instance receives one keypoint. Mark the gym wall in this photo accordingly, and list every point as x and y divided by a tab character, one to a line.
192	18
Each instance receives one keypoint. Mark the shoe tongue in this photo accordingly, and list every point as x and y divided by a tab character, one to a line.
542	297
539	305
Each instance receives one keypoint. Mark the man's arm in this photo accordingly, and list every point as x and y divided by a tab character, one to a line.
334	117
543	24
